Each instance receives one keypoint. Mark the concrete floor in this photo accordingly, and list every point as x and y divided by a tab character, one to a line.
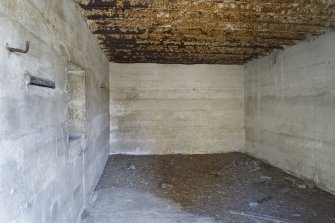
230	187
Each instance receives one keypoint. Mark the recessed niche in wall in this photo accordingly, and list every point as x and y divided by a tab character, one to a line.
76	102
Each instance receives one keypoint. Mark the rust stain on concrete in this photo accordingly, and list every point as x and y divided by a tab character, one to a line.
199	31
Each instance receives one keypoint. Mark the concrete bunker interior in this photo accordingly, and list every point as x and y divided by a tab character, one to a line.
167	111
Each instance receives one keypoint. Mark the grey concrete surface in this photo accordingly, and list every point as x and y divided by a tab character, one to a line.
124	205
227	187
155	109
290	110
164	109
76	90
42	178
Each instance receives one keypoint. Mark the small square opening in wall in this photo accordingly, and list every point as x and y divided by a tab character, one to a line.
76	102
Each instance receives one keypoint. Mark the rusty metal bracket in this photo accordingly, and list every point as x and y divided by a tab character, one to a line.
12	50
37	81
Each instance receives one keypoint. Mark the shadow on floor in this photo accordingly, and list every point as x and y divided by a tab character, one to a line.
231	187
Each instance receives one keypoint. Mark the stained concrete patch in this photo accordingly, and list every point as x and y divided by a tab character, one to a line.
212	187
123	205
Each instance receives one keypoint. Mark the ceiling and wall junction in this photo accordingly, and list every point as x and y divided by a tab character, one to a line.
202	31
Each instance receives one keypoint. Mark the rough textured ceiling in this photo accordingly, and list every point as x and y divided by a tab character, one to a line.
200	31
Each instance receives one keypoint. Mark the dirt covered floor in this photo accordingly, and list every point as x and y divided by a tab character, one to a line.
231	187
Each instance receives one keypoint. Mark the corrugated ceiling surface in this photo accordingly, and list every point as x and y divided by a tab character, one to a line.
196	32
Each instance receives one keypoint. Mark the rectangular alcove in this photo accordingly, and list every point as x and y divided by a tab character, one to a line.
76	103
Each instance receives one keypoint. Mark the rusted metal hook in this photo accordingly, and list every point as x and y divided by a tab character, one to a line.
12	50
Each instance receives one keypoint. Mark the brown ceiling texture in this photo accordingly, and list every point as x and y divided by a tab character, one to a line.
203	32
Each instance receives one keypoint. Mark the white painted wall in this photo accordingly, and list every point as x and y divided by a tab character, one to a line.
290	110
42	179
159	109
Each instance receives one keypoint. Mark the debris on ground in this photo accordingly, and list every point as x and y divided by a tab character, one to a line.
132	167
295	215
253	204
309	184
265	179
299	183
260	201
301	186
291	180
220	173
164	185
264	199
262	218
211	185
252	165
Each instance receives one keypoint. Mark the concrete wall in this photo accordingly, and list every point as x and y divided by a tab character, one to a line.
290	110
158	109
76	90
42	178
